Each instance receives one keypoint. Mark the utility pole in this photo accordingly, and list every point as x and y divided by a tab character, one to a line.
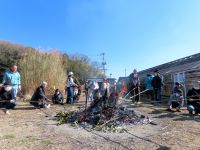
110	75
125	72
103	63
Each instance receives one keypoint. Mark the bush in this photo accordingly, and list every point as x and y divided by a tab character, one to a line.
35	66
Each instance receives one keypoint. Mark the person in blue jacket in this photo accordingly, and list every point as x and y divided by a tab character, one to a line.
148	86
12	77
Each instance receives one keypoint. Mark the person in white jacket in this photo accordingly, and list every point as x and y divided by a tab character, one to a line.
70	88
92	87
96	89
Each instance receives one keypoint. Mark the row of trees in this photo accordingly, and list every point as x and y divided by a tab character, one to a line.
36	66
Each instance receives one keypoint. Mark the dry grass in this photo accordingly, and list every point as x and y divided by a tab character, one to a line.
36	67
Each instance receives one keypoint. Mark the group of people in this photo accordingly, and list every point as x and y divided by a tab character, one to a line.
94	90
11	85
154	84
176	100
100	95
39	98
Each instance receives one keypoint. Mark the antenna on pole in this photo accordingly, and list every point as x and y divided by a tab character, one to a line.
103	63
110	75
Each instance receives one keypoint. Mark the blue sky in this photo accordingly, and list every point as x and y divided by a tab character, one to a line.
133	33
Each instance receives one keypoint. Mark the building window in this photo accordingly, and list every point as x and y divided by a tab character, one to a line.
179	77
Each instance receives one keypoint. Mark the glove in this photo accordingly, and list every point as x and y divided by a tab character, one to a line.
177	95
12	101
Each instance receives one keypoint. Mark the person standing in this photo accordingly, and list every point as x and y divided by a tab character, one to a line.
134	83
12	77
148	86
157	85
90	90
105	91
95	89
70	88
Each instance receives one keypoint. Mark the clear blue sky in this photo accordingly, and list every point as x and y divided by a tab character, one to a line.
133	33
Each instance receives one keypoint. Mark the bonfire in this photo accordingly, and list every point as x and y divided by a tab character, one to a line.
112	114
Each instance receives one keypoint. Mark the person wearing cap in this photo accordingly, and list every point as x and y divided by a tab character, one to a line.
177	94
134	83
193	98
12	77
39	99
70	88
157	85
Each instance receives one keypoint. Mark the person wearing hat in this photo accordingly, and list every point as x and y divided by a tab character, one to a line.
157	85
70	88
177	95
193	98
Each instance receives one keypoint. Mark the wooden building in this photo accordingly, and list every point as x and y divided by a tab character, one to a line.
184	70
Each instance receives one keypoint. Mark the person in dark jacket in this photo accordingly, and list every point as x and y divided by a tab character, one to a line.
6	100
57	97
39	98
157	85
134	83
176	99
193	99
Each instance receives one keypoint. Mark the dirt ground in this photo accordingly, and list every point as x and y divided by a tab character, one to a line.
36	129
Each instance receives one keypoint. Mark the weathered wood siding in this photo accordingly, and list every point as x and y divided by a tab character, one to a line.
191	76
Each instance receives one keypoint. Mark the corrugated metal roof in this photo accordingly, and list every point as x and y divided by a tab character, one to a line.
181	65
120	79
